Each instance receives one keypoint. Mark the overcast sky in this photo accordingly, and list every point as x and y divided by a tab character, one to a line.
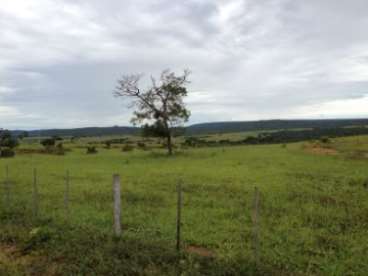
250	59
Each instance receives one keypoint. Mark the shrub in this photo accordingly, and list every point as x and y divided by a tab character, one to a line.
7	144
24	134
142	145
6	152
37	236
127	148
325	139
57	138
365	183
251	140
48	142
7	140
116	141
91	150
60	149
108	144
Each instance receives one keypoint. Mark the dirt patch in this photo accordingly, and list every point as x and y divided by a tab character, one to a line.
200	251
327	200
7	252
10	264
13	262
322	151
358	154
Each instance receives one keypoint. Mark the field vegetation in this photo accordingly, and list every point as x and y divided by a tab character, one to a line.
313	217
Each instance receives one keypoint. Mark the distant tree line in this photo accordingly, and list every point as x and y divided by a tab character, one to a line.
279	137
201	129
229	127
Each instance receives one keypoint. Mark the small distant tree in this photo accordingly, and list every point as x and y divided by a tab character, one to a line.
48	142
325	139
22	135
160	107
57	138
108	144
91	150
60	149
7	139
7	143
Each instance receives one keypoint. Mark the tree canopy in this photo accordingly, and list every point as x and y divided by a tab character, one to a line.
160	107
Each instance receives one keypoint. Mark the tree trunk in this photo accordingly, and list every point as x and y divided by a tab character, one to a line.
168	137
169	144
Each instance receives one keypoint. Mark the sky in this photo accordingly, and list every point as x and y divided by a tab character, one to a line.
250	59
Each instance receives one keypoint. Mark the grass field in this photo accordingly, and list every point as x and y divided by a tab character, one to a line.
313	211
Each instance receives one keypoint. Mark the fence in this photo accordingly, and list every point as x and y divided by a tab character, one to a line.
117	209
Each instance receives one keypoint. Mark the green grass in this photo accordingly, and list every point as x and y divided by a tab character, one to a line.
313	215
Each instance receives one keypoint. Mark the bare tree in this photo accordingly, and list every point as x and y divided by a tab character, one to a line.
160	106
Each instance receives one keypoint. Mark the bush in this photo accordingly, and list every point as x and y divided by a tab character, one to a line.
60	149
325	139
251	140
49	142
108	144
24	134
6	152
127	148
37	237
7	140
142	145
91	150
57	138
365	183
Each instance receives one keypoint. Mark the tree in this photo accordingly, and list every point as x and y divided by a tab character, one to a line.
160	106
7	143
7	139
22	135
48	142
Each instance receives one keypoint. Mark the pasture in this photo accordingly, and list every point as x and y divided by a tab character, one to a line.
313	216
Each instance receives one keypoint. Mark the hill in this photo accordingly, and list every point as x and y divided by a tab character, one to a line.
227	127
79	132
207	128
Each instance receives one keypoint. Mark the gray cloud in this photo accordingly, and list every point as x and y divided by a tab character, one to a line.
254	59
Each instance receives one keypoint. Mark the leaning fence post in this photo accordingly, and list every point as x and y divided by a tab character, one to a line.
35	193
255	225
66	195
178	216
117	204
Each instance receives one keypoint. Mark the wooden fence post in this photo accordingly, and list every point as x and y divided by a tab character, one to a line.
35	193
178	216
255	219
66	195
117	204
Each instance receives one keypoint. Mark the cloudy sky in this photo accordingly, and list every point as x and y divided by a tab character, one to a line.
250	59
